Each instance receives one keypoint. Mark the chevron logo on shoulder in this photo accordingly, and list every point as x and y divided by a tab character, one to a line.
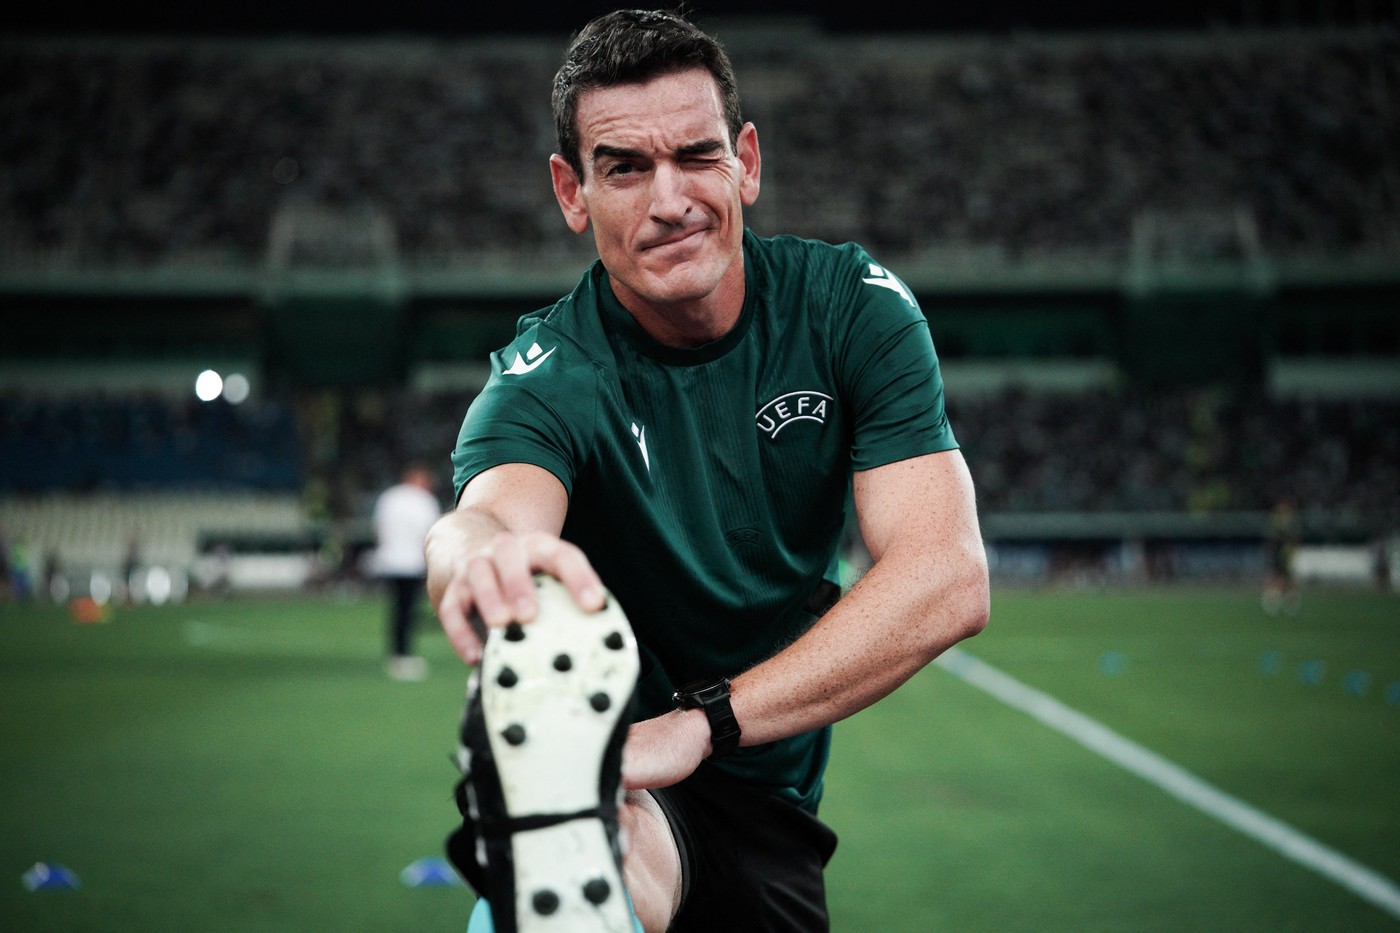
529	362
879	276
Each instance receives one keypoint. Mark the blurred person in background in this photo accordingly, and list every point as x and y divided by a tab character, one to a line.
403	513
1281	545
131	565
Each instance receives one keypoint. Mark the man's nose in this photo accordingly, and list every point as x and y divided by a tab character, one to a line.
669	199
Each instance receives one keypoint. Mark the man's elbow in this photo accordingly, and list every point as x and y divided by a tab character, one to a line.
967	602
978	606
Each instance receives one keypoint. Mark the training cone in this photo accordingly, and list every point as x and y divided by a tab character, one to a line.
430	873
87	611
50	876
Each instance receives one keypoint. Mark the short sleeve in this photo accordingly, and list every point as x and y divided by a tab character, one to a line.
889	368
538	401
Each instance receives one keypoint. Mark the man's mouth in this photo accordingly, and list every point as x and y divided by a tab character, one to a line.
674	238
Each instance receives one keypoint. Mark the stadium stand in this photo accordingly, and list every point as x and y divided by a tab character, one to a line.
185	175
175	152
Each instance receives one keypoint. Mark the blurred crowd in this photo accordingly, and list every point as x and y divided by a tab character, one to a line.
180	153
179	156
1170	450
1195	450
103	442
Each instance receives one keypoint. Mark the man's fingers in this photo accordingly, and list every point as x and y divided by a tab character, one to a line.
453	616
484	584
497	583
515	571
572	568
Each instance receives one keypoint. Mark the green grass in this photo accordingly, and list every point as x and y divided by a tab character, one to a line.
963	815
271	779
245	765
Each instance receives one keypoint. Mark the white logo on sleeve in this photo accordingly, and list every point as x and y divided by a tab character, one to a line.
878	276
535	355
641	435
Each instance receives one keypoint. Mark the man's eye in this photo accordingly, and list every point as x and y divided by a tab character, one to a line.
621	168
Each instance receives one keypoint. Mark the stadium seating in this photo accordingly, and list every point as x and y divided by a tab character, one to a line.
82	533
170	160
168	152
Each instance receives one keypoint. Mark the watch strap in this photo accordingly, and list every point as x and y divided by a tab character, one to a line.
713	698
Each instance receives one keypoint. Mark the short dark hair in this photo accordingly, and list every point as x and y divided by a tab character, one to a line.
628	46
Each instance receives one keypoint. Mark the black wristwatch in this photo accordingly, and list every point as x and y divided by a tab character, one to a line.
712	696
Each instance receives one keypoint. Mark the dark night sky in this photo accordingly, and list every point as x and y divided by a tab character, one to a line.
465	17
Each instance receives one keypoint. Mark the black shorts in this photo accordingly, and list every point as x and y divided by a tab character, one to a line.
750	862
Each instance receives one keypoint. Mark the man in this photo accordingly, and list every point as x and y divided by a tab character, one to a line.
403	514
1281	540
689	426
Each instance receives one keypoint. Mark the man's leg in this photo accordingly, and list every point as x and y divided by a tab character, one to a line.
405	593
651	869
403	664
651	866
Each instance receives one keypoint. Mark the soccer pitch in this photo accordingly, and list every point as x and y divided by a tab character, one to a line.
246	766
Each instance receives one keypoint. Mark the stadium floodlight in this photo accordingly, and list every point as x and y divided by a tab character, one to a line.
236	388
159	586
208	385
100	587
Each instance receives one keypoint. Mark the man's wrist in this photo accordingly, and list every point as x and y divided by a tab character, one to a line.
712	699
695	729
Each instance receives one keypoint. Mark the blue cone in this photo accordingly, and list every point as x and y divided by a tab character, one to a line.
1357	683
1113	663
430	873
50	876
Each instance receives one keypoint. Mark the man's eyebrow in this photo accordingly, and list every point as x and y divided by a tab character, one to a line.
602	151
703	147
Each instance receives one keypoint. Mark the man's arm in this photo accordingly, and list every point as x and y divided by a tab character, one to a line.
483	554
926	591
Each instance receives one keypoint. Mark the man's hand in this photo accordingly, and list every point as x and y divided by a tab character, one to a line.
665	750
496	582
482	556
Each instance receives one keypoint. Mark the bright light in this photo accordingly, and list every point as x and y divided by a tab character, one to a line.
236	388
158	586
100	588
208	385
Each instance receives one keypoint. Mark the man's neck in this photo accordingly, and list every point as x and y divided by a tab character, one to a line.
685	325
690	323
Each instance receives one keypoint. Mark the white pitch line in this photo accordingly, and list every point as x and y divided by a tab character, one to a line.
1177	781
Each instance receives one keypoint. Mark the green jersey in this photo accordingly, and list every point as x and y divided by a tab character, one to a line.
709	486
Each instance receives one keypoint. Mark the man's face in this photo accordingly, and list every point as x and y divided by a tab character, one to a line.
663	188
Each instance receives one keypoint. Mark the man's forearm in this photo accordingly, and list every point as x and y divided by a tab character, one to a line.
901	615
877	637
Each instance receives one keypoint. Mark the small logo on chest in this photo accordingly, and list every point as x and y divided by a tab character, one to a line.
791	407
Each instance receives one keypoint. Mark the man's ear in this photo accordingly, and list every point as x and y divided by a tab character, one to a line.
752	163
568	191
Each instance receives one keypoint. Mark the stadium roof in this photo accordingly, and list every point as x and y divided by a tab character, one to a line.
459	17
